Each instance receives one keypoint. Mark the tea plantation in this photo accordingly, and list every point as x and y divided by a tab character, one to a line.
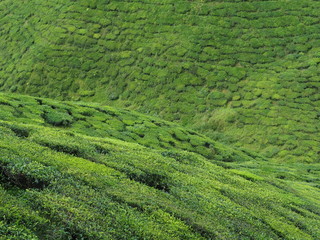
243	72
159	120
71	170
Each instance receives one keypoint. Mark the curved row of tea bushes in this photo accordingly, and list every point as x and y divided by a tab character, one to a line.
59	182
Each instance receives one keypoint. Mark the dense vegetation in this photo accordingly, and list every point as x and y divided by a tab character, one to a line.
237	156
244	72
65	174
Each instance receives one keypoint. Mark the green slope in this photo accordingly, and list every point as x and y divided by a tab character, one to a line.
65	173
245	72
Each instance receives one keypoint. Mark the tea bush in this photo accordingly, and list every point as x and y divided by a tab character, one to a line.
57	118
84	182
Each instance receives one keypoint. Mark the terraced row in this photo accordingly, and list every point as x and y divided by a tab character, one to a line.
58	182
103	121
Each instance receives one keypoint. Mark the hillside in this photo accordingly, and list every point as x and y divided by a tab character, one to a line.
243	72
72	170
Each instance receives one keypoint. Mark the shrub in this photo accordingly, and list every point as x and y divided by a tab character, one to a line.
23	173
219	119
15	232
57	118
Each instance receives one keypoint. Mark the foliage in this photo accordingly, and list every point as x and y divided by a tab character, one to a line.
178	60
79	182
242	79
56	118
